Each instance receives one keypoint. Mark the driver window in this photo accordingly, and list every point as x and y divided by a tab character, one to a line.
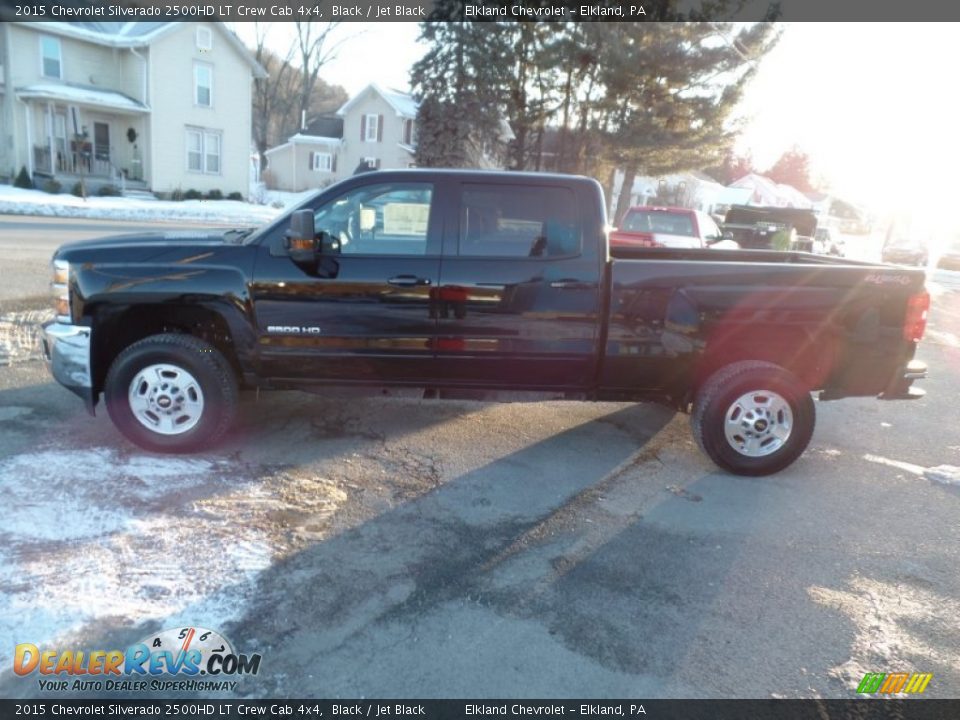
384	219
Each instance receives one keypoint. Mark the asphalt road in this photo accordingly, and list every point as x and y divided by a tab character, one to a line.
397	547
27	244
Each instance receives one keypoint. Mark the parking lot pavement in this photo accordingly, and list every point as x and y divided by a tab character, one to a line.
411	548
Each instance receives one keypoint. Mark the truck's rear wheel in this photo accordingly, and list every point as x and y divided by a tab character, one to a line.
753	418
171	393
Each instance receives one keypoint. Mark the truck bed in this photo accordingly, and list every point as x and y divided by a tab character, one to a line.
679	314
737	256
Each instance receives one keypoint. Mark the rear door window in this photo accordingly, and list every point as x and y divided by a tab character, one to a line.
518	221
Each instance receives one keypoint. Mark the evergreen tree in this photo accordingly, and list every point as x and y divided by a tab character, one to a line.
670	92
460	84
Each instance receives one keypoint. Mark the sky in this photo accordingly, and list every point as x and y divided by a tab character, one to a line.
873	104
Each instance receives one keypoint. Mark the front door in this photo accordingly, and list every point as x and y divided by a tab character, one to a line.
101	148
364	315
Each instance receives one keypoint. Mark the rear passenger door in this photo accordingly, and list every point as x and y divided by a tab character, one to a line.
518	301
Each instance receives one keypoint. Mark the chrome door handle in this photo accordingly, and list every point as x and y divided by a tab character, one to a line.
408	281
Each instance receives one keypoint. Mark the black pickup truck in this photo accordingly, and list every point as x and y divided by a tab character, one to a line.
461	280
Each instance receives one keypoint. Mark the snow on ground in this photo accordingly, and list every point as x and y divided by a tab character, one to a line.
97	537
17	201
18	335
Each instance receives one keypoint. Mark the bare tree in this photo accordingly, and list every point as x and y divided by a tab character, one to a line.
271	96
315	48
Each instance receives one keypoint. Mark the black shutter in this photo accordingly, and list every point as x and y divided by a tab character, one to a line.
379	128
363	128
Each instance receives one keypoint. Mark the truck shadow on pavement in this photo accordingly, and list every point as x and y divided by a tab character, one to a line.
410	549
397	548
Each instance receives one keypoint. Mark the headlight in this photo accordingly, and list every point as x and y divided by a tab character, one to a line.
61	290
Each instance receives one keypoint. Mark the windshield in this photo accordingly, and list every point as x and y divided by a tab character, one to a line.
658	221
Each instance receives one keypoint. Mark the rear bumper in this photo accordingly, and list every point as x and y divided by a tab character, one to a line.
66	350
901	388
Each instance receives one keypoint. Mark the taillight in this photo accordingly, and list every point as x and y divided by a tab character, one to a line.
915	321
635	239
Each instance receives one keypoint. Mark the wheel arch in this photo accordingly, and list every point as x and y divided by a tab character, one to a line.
117	327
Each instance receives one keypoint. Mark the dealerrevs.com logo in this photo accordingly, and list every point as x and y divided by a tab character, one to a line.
181	659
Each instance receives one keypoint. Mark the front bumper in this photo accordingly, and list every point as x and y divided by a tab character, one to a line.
66	349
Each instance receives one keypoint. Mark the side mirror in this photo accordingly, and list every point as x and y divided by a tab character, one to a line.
302	240
712	239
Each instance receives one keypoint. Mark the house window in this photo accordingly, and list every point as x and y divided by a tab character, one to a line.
408	132
50	57
322	162
203	85
372	163
211	150
204	38
203	151
372	128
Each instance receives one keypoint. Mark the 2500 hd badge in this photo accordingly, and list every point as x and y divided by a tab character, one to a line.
293	330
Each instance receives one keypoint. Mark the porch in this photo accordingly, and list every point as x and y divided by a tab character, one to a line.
85	133
76	160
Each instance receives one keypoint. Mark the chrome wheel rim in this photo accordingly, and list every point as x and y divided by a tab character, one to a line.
166	399
758	423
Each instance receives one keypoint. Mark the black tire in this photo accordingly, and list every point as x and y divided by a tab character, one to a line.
718	395
203	362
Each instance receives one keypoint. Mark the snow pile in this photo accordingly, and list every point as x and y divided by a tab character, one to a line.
18	335
17	201
95	538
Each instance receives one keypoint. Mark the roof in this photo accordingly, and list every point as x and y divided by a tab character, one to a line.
82	94
325	126
136	34
733	196
400	101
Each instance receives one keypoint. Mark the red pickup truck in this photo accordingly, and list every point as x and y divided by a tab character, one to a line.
671	227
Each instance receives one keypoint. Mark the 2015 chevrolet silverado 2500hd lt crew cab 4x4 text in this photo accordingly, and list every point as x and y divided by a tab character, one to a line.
483	281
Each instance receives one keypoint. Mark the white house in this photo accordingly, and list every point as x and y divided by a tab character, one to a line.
688	189
765	191
375	129
160	105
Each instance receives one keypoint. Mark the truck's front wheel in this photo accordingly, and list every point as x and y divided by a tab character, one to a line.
171	393
753	418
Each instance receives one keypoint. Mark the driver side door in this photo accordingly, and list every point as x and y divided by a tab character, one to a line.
364	315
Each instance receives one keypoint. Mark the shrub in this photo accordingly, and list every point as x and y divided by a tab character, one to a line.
235	196
108	191
23	180
79	189
176	195
278	204
192	194
52	186
214	195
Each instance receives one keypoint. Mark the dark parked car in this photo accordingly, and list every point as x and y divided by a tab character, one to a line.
904	246
754	227
472	281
